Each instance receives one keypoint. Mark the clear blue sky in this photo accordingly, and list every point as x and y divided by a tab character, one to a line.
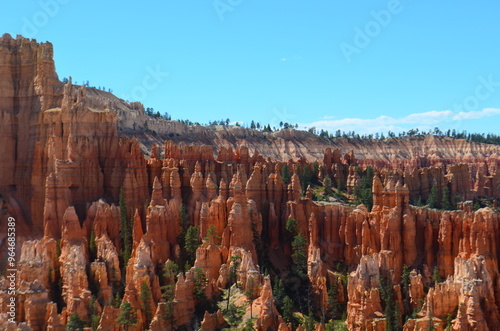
350	65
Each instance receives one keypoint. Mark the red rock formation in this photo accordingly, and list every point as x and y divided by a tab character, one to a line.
315	268
67	149
154	165
99	276
353	180
53	319
108	319
255	188
242	221
263	307
184	301
159	323
213	322
364	307
470	290
73	262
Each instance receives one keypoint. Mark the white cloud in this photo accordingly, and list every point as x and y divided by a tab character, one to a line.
283	59
423	121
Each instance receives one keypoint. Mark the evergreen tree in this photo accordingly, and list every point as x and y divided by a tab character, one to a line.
327	186
181	238
145	297
299	255
170	272
211	236
248	325
94	317
363	193
192	242
309	323
200	283
279	293
233	268
92	246
116	300
292	226
405	287
127	316
445	200
436	278
333	303
432	202
75	323
125	230
305	176
285	174
288	314
390	311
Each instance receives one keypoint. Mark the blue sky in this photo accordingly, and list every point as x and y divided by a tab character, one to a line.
352	65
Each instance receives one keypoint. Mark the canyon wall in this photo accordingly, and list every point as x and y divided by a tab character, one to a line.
77	164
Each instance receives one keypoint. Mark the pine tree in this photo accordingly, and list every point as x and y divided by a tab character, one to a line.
405	286
333	303
125	232
436	278
309	323
432	202
116	300
285	174
94	317
248	325
327	186
292	226
279	293
127	316
445	200
92	246
170	272
299	255
288	314
75	322
233	268
390	311
211	236
181	238
145	297
200	283
192	242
